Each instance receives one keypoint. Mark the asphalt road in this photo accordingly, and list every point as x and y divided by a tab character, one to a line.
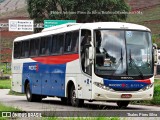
54	104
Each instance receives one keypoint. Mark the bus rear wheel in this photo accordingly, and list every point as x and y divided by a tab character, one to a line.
31	97
74	101
122	104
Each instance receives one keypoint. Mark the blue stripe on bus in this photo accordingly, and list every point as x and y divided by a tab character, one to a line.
45	79
126	85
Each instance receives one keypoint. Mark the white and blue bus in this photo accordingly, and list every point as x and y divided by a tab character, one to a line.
101	61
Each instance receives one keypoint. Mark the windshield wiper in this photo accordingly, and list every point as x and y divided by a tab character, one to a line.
132	62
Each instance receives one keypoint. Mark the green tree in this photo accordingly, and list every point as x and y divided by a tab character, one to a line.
80	10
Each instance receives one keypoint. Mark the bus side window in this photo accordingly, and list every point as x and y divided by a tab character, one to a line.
54	40
37	46
48	45
45	45
68	41
34	47
42	46
61	42
75	39
57	44
25	49
71	42
17	49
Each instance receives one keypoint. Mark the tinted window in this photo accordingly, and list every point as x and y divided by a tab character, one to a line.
68	42
34	47
57	44
71	42
25	49
54	43
75	38
17	49
45	45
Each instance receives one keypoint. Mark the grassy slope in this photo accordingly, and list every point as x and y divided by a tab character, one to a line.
22	12
15	93
148	15
156	96
6	68
150	18
5	84
6	41
6	108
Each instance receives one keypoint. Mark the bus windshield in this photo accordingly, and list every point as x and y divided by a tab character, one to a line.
123	53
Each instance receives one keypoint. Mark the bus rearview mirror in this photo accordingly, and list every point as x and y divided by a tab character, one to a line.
91	53
155	55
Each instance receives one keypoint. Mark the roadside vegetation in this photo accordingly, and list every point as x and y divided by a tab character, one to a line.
6	68
4	108
5	84
5	81
15	93
156	96
7	108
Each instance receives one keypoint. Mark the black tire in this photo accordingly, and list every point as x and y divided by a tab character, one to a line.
31	97
74	101
122	104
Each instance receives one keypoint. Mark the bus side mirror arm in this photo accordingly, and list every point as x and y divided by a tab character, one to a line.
155	56
91	53
88	45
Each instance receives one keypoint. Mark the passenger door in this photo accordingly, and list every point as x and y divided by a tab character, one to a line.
86	66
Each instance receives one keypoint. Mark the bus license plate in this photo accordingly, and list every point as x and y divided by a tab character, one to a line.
126	96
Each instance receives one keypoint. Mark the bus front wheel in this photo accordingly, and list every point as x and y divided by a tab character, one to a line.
31	97
122	104
74	101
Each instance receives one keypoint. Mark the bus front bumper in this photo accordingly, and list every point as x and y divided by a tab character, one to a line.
101	94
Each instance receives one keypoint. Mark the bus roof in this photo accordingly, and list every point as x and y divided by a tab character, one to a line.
59	27
76	26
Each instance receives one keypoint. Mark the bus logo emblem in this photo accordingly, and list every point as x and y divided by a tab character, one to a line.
34	67
124	85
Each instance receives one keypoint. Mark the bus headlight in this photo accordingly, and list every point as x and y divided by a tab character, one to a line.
102	86
147	87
